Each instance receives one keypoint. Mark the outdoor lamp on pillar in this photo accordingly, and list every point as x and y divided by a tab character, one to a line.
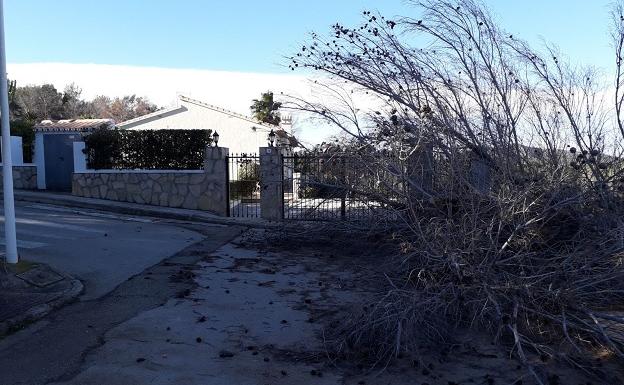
271	138
215	138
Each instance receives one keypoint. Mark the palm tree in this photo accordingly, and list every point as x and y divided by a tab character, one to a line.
266	109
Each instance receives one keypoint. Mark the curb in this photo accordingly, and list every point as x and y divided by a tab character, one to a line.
38	312
147	211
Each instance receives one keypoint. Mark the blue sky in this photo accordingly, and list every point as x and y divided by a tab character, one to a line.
251	35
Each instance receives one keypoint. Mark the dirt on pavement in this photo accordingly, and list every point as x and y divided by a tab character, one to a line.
264	311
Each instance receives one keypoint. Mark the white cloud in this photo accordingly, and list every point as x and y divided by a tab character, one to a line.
230	90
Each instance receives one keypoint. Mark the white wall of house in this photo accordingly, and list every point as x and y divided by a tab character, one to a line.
238	133
80	158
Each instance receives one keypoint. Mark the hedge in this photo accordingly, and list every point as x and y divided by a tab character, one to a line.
147	149
248	179
241	189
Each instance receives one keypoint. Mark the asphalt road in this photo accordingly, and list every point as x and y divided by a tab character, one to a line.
127	265
101	249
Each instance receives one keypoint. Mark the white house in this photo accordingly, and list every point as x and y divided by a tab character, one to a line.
240	133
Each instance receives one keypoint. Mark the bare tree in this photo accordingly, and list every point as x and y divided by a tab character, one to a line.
508	148
121	109
40	102
73	105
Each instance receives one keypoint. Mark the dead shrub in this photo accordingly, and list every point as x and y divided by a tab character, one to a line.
504	173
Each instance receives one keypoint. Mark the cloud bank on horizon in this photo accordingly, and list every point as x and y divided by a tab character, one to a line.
230	90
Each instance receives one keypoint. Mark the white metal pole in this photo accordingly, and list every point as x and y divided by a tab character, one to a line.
7	162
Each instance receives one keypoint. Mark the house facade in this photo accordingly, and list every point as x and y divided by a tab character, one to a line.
239	133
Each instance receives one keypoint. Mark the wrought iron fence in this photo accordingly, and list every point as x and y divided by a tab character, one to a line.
244	185
378	186
324	188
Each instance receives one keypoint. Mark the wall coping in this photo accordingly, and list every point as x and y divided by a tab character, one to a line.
22	165
140	172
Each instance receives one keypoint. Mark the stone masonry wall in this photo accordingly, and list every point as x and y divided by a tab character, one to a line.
24	177
189	190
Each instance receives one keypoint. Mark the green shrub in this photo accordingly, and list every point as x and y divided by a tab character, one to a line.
249	171
103	149
147	149
243	188
247	180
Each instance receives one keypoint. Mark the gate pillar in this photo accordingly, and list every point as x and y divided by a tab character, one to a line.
215	195
271	184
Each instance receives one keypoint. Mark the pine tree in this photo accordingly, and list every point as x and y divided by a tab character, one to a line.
266	109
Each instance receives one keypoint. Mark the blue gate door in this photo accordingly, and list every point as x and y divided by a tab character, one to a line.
59	161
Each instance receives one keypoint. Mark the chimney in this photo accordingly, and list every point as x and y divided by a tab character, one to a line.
286	123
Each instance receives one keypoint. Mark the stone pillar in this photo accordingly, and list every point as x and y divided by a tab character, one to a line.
420	171
215	195
80	158
271	195
480	175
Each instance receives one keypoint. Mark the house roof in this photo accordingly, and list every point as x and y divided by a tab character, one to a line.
73	124
156	114
288	138
196	102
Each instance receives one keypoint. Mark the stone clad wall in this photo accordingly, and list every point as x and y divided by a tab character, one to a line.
205	189
189	190
24	177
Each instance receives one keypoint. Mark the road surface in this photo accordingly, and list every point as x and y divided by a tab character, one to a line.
127	265
101	249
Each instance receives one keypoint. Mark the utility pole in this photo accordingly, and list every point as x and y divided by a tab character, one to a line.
7	162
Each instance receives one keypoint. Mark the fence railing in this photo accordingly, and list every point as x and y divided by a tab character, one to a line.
243	185
318	187
277	185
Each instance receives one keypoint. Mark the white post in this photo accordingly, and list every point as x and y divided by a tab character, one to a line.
80	158
17	151
7	167
39	160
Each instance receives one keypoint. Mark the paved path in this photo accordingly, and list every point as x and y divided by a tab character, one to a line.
101	249
243	323
243	313
54	348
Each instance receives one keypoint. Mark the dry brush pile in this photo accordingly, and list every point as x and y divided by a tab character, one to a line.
507	175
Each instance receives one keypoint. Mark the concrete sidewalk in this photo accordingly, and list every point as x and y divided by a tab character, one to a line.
68	200
54	348
246	322
30	291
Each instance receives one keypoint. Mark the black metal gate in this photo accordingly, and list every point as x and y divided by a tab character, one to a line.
244	185
324	188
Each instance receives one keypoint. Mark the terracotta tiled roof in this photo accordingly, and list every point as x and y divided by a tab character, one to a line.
74	124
